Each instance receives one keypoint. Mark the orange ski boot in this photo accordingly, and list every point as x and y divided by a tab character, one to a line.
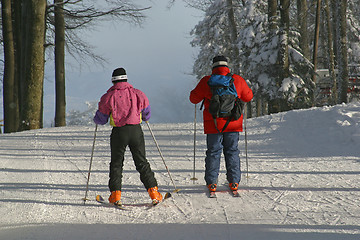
115	197
233	186
155	196
212	187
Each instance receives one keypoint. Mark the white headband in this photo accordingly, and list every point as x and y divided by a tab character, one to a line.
219	63
120	77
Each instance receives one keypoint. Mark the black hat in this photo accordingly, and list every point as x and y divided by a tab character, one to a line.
219	61
119	75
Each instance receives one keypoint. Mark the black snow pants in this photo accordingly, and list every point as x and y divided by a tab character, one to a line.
132	136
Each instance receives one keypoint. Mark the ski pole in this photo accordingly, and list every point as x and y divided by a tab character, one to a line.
92	154
194	178
246	150
152	134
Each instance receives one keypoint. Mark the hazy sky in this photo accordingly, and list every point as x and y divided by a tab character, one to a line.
157	58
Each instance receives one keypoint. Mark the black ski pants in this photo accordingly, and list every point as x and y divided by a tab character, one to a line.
132	136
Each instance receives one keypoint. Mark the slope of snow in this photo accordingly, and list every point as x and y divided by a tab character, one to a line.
303	182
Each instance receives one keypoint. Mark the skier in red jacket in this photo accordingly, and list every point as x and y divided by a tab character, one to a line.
227	140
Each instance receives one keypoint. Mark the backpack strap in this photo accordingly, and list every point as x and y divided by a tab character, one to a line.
225	126
232	79
215	122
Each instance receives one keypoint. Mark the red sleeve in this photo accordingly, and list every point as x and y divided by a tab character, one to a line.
201	91
243	90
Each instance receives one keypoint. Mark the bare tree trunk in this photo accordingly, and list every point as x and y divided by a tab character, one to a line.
316	38
23	49
272	13
284	48
34	68
10	103
329	27
259	105
280	104
334	11
60	112
303	25
17	9
273	104
234	45
342	50
233	36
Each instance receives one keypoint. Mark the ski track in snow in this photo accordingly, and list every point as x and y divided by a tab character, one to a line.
303	183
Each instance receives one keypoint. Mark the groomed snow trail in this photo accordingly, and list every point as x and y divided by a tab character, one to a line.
303	182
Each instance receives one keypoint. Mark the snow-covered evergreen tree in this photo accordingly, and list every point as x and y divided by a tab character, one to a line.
212	36
259	49
260	44
354	34
76	117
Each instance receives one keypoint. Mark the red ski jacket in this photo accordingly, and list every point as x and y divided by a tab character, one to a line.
202	91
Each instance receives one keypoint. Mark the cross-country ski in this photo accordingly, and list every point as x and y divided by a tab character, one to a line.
212	195
103	202
122	206
235	193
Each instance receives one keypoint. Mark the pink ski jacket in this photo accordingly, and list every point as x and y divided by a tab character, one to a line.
123	104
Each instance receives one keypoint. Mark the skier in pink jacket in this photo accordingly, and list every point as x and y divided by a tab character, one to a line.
126	107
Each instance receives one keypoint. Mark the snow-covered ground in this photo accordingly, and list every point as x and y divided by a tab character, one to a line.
303	183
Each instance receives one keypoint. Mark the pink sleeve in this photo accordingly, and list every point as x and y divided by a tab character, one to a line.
104	104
